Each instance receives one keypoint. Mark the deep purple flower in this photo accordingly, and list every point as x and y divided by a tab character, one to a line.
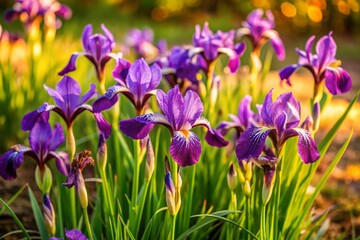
179	68
260	30
281	119
43	144
245	118
322	65
97	48
75	177
142	42
30	11
136	81
69	104
181	114
73	234
211	45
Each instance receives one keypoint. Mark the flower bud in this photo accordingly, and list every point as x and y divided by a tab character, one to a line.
232	177
248	169
170	194
247	189
81	191
150	160
316	116
49	215
43	179
70	143
268	185
308	124
102	152
178	191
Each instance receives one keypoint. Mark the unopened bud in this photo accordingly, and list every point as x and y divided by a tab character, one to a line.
268	185
49	215
232	177
43	179
178	192
308	124
316	116
170	194
81	191
150	160
247	189
102	152
248	169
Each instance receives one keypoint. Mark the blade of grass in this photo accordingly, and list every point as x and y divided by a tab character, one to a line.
39	219
14	197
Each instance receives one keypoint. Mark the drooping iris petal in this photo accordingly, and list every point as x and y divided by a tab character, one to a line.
11	161
109	99
286	72
71	66
62	162
276	43
75	235
185	148
213	137
139	127
306	145
251	143
337	80
102	124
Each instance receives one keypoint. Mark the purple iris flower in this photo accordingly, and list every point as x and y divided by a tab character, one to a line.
179	68
245	118
69	104
322	65
30	11
97	48
181	114
281	119
260	30
43	144
73	234
136	81
211	45
142	42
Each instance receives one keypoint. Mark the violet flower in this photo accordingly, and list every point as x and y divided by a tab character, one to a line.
73	234
136	81
97	48
245	118
211	45
69	104
322	65
75	177
181	114
179	68
30	12
43	144
142	42
281	119
260	30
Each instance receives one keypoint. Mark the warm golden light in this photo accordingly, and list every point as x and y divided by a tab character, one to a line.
315	14
288	9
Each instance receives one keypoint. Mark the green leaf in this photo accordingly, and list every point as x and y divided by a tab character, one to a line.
12	199
15	218
39	219
148	228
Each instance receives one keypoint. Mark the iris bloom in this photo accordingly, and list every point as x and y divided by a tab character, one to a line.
30	12
97	48
69	104
211	45
181	114
73	234
75	177
260	30
322	65
43	144
245	118
179	68
281	119
142	42
136	81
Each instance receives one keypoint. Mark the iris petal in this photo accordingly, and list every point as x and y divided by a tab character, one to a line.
71	66
185	148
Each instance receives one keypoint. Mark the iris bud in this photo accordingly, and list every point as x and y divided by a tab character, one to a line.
247	189
49	215
231	177
150	159
102	152
43	179
316	116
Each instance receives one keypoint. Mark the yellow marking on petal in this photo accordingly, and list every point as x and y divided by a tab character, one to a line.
186	133
335	64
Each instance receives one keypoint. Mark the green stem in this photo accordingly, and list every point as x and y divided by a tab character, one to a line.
87	223
248	216
263	222
137	160
173	227
141	207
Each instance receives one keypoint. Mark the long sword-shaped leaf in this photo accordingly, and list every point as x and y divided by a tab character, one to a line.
39	219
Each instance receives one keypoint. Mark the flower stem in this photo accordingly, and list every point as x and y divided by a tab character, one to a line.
87	223
135	187
173	227
263	223
248	216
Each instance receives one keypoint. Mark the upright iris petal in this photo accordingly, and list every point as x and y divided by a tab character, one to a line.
181	114
97	48
43	144
281	119
136	81
69	104
323	65
260	29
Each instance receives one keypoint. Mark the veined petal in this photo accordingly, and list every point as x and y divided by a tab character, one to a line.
139	127
11	161
59	100
213	137
71	66
75	234
337	80
70	90
306	145
326	51
280	123
89	94
86	35
286	72
121	70
267	113
40	137
139	78
251	143
288	104
107	100
193	108
28	121
185	148
245	114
